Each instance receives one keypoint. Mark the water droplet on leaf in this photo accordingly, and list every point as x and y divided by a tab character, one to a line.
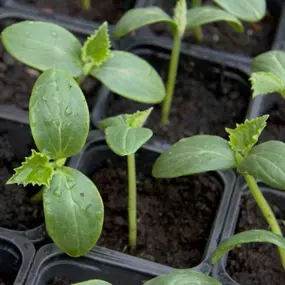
54	34
68	111
82	194
70	184
57	192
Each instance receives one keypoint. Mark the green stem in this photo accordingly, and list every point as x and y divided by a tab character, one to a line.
266	211
86	4
132	207
198	34
37	197
172	73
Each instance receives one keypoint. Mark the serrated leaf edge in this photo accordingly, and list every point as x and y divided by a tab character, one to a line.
27	159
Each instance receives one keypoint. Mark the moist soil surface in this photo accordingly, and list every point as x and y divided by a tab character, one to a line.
174	216
59	281
255	39
107	10
6	281
15	210
275	129
256	263
207	99
17	80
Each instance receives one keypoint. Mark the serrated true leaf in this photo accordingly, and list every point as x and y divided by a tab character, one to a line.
73	211
271	61
59	115
266	162
246	10
180	16
183	277
139	17
124	140
132	77
43	46
138	119
263	83
93	282
244	238
207	14
96	49
192	155
34	170
246	135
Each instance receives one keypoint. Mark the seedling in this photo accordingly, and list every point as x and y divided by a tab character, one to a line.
45	45
86	4
268	73
59	120
125	135
184	20
203	153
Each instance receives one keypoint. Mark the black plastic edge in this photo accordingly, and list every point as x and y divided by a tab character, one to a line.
26	250
219	269
228	179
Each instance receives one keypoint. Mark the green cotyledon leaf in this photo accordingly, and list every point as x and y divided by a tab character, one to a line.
73	211
43	45
35	170
93	282
96	48
193	155
183	277
245	136
244	238
59	115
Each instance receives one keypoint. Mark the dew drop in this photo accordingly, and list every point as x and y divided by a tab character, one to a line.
57	192
82	194
54	34
70	184
68	111
44	98
88	206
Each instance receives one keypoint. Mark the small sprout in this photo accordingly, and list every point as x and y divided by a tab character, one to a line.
70	199
184	20
204	153
43	46
86	4
125	135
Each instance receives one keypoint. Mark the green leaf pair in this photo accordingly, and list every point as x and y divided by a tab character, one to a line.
268	73
124	133
45	45
59	120
230	11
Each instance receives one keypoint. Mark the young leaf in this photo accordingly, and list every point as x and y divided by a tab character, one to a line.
96	49
34	170
93	282
180	16
119	120
138	119
183	277
266	162
132	77
140	17
272	61
192	155
250	11
124	140
244	238
43	46
246	135
59	115
206	14
263	83
73	211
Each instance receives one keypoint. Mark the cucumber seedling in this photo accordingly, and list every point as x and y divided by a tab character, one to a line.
59	121
183	20
42	46
265	162
125	135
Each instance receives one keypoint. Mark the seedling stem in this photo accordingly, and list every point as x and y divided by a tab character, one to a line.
197	31
86	4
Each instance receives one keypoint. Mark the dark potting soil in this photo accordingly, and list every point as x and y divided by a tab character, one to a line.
108	10
207	99
275	129
256	263
255	39
6	281
175	216
59	281
15	210
17	80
